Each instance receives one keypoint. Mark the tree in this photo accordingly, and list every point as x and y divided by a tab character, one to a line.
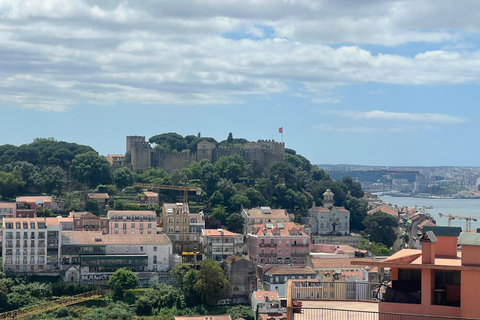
122	280
92	169
381	228
10	183
189	281
211	282
235	223
123	177
179	271
358	212
220	214
230	138
92	206
240	311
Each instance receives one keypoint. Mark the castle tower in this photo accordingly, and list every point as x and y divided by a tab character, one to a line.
328	199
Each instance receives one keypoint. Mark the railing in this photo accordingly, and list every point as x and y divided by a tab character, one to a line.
267	254
300	244
268	244
299	254
336	290
302	313
50	305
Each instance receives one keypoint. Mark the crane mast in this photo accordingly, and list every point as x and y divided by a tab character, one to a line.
468	219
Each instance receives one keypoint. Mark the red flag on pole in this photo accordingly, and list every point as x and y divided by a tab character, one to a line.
280	130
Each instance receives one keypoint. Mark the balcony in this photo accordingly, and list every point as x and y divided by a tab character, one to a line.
300	244
273	245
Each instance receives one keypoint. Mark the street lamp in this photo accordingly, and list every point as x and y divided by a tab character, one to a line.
221	233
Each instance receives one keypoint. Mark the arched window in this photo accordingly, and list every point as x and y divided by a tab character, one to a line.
321	226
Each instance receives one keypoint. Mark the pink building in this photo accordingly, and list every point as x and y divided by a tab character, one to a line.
26	205
87	221
7	209
278	243
148	198
132	222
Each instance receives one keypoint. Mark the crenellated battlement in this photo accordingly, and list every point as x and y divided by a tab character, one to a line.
261	153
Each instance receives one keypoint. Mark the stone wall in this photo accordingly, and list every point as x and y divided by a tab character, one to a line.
144	157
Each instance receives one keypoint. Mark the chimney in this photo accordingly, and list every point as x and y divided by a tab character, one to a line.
428	247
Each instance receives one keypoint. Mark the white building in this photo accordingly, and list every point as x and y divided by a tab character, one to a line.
218	244
31	245
93	255
329	220
265	302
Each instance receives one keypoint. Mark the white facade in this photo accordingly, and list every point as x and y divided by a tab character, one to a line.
328	219
31	245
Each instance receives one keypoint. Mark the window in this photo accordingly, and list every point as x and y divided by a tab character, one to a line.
155	260
141	249
124	226
25	225
149	225
155	248
279	251
32	225
133	225
331	295
288	250
17	225
178	220
115	225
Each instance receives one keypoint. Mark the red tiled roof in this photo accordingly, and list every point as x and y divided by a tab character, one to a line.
324	263
150	194
384	209
216	233
130	213
8	205
260	295
274	316
290	270
256	213
34	198
98	196
259	229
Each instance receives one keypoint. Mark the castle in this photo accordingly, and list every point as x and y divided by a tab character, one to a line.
143	156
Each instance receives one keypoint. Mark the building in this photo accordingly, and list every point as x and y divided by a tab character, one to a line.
116	160
215	317
102	198
305	289
437	280
278	243
26	206
87	221
329	220
265	302
132	222
8	209
92	257
148	198
182	227
241	274
218	244
276	278
263	215
143	156
31	245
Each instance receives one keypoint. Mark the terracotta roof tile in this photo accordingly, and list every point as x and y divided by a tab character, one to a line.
260	295
215	317
216	233
258	229
98	196
49	221
290	270
256	213
327	263
34	198
130	213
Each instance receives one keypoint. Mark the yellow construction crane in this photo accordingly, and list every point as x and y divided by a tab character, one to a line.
185	189
468	219
184	219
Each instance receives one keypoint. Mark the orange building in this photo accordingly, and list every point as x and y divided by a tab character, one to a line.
438	280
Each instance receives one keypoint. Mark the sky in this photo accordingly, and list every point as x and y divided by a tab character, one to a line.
371	82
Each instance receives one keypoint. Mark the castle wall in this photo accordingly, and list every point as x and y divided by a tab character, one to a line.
144	157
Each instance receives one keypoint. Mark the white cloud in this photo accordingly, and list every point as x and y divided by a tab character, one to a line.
58	53
378	91
398	116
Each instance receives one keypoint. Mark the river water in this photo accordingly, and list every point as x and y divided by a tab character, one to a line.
466	207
